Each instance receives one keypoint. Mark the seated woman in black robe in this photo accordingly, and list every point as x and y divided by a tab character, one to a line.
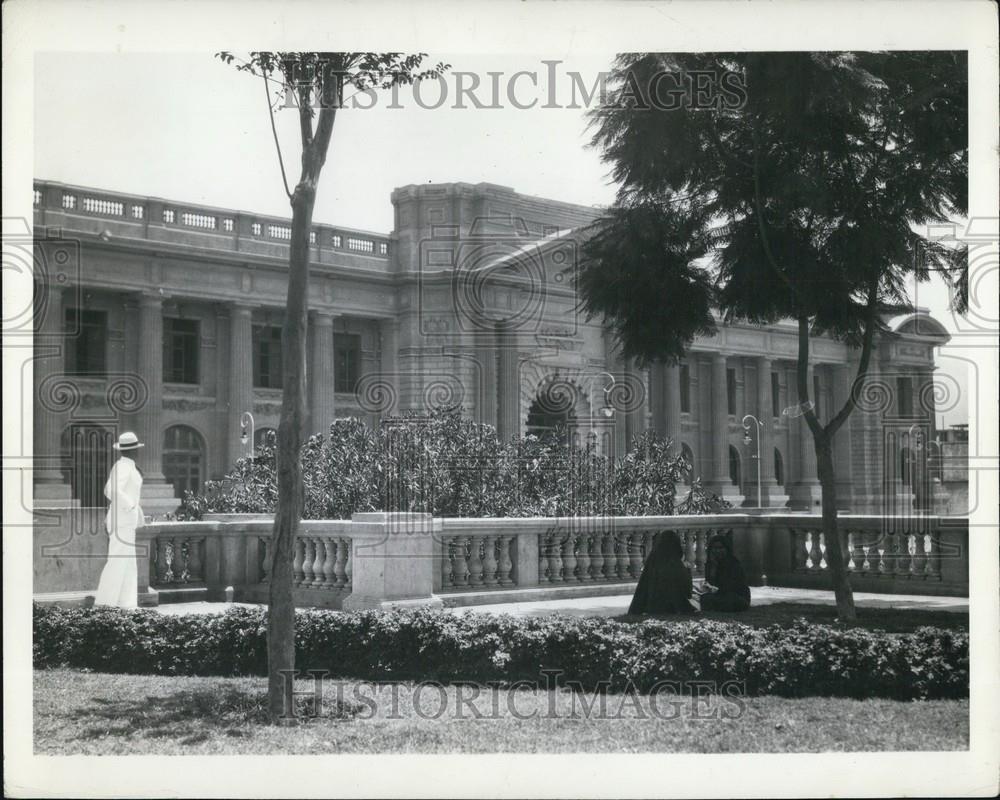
726	587
665	583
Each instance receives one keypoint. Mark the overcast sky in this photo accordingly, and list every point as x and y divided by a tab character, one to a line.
189	128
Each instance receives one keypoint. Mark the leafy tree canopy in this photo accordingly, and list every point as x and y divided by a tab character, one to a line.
794	194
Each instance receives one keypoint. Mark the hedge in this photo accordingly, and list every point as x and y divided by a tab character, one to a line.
451	466
594	654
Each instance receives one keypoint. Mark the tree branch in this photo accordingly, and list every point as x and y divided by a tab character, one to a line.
802	380
866	352
274	132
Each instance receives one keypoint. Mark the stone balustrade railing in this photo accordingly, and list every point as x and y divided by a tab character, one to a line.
136	216
378	559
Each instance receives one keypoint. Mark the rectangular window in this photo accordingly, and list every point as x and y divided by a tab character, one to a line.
775	394
267	356
904	393
86	341
685	378
347	357
181	342
731	390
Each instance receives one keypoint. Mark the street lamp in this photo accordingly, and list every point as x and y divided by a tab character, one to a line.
606	411
746	440
246	423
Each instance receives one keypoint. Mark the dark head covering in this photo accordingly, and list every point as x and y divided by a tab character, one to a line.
668	547
665	583
726	573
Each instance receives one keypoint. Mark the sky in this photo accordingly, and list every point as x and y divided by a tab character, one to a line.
189	128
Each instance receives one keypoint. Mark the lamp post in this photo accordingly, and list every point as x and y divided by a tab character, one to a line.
746	440
246	423
606	410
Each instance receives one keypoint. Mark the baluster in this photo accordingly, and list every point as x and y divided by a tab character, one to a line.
822	550
879	548
904	563
325	575
583	557
348	562
153	550
459	563
340	563
933	557
621	556
505	565
447	545
475	561
798	544
543	556
162	560
490	559
298	551
318	561
265	561
177	558
195	546
701	540
555	559
691	550
569	557
596	556
648	540
608	552
891	551
308	555
634	545
918	559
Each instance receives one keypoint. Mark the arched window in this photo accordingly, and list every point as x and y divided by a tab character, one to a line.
551	409
779	467
734	467
183	459
86	461
688	454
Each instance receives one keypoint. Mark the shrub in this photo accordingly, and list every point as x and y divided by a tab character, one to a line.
452	466
595	653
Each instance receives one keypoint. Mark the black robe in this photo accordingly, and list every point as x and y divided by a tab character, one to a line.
665	584
734	591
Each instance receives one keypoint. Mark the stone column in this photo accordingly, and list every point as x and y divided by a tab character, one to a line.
508	382
322	407
240	377
719	481
50	489
772	495
157	495
672	404
389	364
486	376
149	420
839	392
805	490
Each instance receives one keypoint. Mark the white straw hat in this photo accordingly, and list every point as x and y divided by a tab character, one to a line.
128	441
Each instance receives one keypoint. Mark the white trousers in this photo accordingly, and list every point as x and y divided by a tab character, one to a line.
119	584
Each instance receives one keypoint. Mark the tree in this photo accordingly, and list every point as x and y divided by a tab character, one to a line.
314	84
768	186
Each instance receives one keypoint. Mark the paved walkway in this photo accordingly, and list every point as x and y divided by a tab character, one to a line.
614	605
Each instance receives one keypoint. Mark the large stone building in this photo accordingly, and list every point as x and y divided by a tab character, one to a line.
164	317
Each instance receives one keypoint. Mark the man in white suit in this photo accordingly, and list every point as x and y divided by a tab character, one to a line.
119	579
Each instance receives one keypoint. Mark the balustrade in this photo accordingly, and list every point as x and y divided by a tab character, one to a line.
176	560
871	553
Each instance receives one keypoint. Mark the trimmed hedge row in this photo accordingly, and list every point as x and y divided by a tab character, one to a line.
594	654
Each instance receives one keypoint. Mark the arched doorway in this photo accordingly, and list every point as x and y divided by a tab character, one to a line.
86	461
183	459
553	410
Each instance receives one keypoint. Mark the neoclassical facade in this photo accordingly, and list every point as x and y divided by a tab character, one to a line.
164	317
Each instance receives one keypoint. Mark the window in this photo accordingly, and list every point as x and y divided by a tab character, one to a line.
731	391
86	462
775	394
347	355
779	467
816	395
267	356
183	457
685	379
86	337
180	350
734	466
904	393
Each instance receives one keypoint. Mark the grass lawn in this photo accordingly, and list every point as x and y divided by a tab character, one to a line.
894	620
89	713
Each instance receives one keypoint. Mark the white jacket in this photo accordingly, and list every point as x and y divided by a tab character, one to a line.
122	489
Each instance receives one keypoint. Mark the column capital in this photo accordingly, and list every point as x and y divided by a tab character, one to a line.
323	317
149	299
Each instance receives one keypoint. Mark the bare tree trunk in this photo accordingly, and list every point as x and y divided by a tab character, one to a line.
836	562
281	608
